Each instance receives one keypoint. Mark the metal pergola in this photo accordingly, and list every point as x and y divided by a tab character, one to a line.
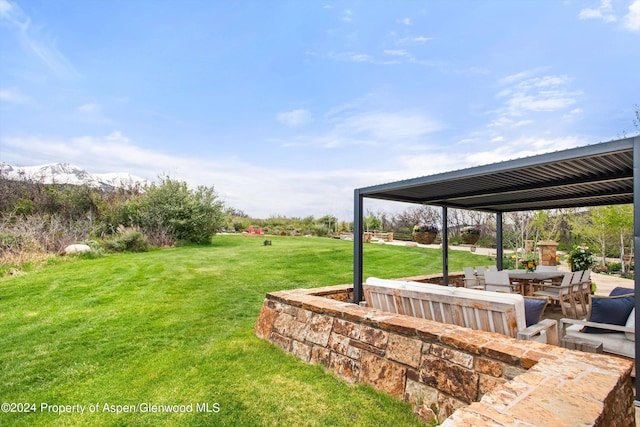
606	173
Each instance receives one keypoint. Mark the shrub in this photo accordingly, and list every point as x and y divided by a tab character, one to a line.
614	267
129	240
184	214
508	263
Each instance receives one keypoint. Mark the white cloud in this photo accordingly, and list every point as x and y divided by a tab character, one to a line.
13	96
89	108
573	114
413	39
386	126
5	8
295	117
359	57
397	52
355	57
631	20
528	93
117	137
416	165
500	150
346	128
404	21
603	12
35	43
548	100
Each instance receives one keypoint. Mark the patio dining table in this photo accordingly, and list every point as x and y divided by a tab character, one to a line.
528	279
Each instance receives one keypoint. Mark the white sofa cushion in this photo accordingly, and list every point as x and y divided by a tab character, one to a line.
410	285
615	342
395	284
430	287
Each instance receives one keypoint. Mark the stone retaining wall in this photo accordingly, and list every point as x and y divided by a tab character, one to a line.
448	372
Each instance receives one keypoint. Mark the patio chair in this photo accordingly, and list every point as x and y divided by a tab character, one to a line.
498	281
549	269
562	294
585	290
578	292
472	281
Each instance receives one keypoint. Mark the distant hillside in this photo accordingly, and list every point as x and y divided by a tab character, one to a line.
66	173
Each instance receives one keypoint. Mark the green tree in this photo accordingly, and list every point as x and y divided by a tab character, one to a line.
619	220
329	222
371	222
190	215
604	226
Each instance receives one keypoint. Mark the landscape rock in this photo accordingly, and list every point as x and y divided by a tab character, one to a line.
76	249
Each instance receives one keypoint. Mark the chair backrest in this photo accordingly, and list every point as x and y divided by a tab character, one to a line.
493	268
497	281
546	268
481	270
470	278
497	278
468	272
567	284
585	282
577	277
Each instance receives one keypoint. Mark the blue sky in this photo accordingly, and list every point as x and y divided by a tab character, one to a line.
286	107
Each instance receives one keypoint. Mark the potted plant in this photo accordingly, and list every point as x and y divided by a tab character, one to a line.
470	234
424	234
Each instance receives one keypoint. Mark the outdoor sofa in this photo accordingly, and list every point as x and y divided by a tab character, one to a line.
476	309
610	322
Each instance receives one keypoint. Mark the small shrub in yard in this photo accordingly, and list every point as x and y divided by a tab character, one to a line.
508	263
127	240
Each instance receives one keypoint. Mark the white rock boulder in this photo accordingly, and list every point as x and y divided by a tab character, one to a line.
76	249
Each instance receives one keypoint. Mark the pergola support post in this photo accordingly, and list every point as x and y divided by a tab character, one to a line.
499	248
445	246
636	246
357	247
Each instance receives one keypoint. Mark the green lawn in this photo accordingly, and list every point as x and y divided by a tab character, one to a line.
175	327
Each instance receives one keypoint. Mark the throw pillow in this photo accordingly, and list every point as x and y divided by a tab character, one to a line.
533	308
614	310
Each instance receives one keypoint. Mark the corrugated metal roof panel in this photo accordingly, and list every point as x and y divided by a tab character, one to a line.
598	174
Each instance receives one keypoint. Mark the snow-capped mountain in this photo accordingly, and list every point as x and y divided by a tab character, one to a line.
65	173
